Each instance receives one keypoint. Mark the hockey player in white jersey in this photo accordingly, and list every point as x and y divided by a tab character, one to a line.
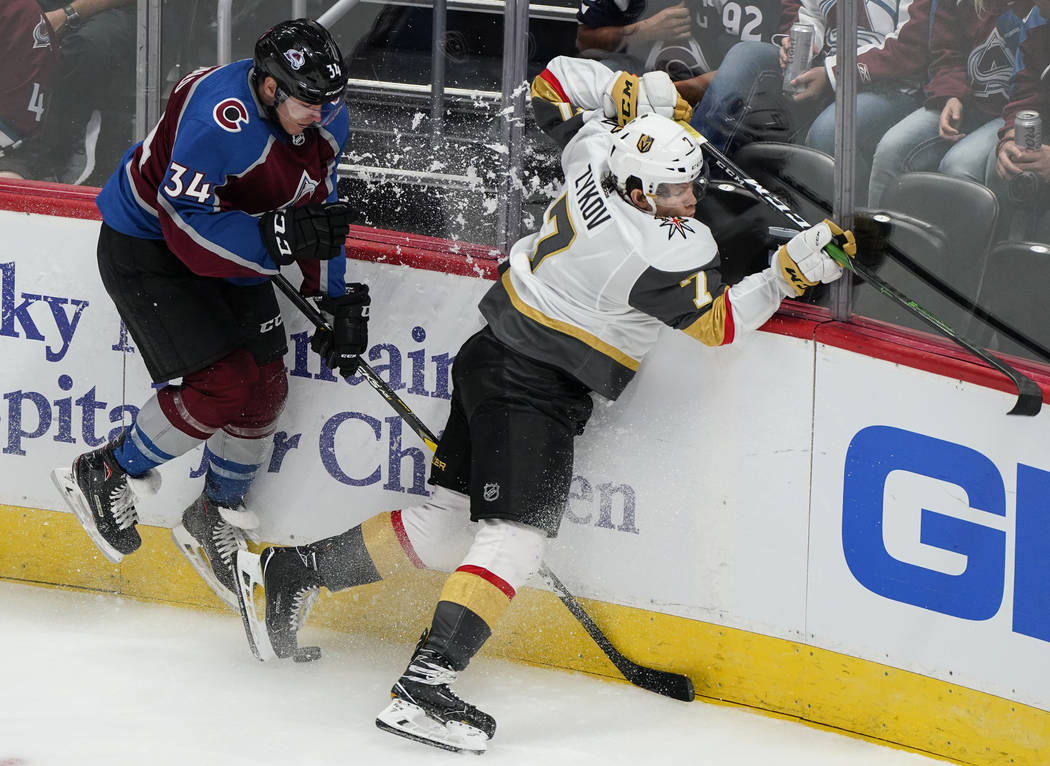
577	307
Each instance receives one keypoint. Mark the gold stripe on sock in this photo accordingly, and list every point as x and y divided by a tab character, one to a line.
476	594
383	545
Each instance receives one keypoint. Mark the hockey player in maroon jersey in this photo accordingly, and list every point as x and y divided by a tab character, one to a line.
236	180
577	307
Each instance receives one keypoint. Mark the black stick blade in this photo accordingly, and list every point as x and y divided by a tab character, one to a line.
673	685
1030	399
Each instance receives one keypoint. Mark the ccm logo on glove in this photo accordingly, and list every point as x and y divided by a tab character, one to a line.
315	232
342	346
803	262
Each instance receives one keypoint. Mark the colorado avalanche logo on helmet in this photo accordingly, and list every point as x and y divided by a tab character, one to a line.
295	58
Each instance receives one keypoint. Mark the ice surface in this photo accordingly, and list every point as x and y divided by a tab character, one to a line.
94	679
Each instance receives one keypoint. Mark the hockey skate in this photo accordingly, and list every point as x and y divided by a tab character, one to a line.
425	709
102	496
289	585
209	541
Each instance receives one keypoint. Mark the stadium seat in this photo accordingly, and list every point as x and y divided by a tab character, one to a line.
802	177
1014	290
880	236
966	213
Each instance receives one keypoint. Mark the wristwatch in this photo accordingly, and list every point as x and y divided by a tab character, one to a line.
73	20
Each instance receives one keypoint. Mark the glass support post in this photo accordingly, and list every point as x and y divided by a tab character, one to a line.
845	143
147	67
437	72
515	54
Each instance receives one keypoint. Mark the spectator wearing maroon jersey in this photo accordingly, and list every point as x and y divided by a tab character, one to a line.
973	48
30	58
92	105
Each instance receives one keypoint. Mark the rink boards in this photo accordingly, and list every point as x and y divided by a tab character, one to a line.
814	521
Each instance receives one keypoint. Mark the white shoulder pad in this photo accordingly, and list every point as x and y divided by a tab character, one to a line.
590	145
675	244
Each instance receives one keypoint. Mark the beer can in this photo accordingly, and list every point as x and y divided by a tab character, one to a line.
800	54
1028	131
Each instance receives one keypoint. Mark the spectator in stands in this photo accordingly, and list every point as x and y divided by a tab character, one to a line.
92	109
745	101
1017	175
686	40
973	45
30	67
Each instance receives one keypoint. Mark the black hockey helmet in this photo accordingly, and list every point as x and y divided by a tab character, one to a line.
304	60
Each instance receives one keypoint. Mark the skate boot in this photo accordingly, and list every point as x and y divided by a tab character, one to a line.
210	542
425	709
102	496
290	585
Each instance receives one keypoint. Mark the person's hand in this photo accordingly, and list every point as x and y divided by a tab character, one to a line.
803	262
1033	162
11	174
693	89
313	232
1004	160
785	51
672	23
341	348
811	84
951	117
57	19
1012	160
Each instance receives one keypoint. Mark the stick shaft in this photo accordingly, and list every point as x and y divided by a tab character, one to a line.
669	684
1029	395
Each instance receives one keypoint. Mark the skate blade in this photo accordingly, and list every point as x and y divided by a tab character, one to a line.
411	721
249	577
195	555
74	498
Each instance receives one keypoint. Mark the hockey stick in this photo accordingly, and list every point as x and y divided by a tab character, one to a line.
936	283
663	682
674	685
1029	395
993	321
396	402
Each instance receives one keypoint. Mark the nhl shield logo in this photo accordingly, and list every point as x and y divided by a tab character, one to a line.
491	492
645	143
295	58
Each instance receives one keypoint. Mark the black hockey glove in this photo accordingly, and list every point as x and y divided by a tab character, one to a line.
348	339
312	231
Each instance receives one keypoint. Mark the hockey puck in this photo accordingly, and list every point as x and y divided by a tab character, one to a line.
307	654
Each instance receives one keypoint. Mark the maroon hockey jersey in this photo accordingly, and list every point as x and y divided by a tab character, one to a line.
972	56
30	65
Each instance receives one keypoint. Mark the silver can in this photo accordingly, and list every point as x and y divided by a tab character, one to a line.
800	54
1028	131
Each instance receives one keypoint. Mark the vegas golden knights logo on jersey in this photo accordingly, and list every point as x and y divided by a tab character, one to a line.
645	143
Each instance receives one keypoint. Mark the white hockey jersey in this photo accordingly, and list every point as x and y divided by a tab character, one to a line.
589	291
